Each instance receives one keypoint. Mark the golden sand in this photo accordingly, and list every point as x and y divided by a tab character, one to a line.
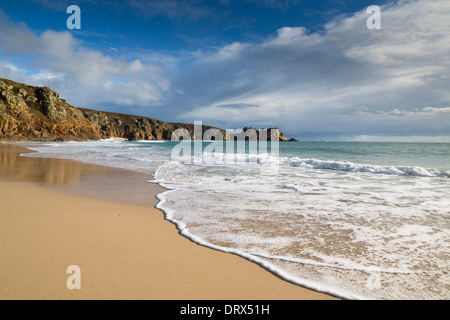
58	213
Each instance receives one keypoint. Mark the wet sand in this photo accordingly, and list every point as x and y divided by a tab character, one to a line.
56	213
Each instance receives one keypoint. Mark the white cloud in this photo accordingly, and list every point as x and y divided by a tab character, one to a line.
82	75
345	80
438	110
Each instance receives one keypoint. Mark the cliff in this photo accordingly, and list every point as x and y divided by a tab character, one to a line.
38	114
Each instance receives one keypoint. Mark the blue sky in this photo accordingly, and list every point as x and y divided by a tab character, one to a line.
312	68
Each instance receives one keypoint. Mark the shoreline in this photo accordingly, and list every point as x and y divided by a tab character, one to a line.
63	212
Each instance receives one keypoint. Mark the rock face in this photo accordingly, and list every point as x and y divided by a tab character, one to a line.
38	114
29	113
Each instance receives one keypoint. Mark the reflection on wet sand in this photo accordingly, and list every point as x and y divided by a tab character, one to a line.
76	177
49	172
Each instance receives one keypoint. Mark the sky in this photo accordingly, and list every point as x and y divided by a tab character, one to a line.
312	68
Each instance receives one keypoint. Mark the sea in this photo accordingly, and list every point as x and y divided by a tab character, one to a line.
358	220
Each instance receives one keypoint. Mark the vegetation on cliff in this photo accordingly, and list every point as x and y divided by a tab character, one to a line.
30	113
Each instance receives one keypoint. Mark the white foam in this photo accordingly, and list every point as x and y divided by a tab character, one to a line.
182	227
151	141
327	225
289	187
364	168
236	205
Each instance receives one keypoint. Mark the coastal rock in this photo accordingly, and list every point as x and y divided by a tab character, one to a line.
34	114
30	113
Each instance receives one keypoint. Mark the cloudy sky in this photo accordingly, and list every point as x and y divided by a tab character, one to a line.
312	68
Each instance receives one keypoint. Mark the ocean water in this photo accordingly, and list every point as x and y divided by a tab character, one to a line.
357	220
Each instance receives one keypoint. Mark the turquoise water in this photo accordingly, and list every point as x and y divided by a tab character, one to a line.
435	156
358	220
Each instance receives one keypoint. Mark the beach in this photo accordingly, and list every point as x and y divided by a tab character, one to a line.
56	213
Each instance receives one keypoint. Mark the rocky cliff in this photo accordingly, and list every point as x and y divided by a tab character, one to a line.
38	114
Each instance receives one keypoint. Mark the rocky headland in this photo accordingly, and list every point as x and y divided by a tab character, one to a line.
30	113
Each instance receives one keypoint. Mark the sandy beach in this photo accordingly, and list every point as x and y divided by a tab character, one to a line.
57	213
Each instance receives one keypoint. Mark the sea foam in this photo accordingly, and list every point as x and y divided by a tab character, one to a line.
371	227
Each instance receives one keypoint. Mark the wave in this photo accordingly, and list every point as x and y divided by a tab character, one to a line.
208	185
258	259
151	141
364	168
347	266
94	149
311	163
